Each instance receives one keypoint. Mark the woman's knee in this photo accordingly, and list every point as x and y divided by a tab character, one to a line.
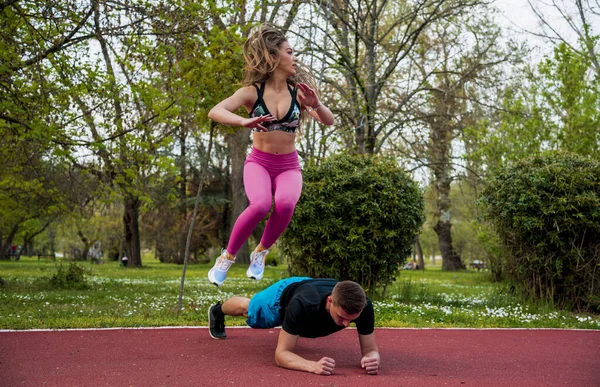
285	206
260	208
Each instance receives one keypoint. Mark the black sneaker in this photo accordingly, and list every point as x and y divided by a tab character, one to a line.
216	323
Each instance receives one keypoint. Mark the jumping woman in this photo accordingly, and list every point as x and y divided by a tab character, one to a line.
275	93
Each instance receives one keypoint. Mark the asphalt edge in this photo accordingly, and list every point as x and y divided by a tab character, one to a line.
246	327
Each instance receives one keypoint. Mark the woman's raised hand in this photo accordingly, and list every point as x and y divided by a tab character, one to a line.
309	97
256	122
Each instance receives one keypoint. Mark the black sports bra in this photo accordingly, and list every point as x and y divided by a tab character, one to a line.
289	123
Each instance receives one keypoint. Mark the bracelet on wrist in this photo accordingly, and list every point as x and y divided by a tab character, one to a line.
313	108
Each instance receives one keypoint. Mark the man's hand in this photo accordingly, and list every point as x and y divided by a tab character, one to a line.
324	366
370	353
371	364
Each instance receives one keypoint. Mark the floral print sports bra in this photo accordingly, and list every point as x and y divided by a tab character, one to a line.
289	123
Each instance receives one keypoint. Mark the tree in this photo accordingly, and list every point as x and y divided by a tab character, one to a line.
556	107
201	64
457	76
573	98
370	41
30	198
580	17
46	42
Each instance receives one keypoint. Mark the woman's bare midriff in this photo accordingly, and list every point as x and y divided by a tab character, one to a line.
275	142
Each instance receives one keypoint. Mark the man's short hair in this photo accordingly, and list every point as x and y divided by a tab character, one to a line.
350	296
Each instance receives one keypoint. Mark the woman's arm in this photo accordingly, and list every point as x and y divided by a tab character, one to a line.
223	112
309	100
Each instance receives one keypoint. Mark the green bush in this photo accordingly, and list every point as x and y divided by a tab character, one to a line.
546	210
70	277
357	219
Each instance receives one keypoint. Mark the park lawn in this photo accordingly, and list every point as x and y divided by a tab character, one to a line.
134	297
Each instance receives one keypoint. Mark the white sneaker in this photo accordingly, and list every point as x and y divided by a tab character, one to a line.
256	270
218	273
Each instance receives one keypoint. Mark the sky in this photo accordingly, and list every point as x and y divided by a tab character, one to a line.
518	16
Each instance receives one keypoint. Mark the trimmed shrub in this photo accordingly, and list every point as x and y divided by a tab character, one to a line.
357	219
70	277
546	210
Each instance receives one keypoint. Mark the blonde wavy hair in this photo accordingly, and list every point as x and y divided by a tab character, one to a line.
261	52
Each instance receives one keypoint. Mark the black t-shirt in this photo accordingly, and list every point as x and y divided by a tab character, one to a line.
302	308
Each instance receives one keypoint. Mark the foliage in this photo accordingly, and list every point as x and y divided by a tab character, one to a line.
367	54
491	245
470	240
556	107
120	297
107	89
546	210
33	192
164	228
357	219
72	276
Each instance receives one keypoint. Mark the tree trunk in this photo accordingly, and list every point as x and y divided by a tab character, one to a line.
238	146
6	251
450	259
28	249
86	244
419	254
440	152
132	231
120	249
52	238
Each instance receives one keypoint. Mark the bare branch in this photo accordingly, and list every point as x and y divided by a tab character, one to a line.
58	45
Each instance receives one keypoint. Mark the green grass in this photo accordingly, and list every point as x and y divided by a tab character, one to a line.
128	297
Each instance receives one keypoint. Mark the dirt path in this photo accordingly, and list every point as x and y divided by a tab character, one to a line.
189	357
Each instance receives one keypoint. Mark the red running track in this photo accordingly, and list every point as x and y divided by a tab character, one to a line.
189	357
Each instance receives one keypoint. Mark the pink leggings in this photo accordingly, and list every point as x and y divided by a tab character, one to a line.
267	176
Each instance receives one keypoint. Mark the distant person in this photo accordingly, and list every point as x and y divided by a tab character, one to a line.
124	260
276	92
305	307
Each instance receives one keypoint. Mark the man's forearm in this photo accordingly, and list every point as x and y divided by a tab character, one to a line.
288	359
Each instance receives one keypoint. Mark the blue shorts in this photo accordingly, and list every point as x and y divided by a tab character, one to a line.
263	310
